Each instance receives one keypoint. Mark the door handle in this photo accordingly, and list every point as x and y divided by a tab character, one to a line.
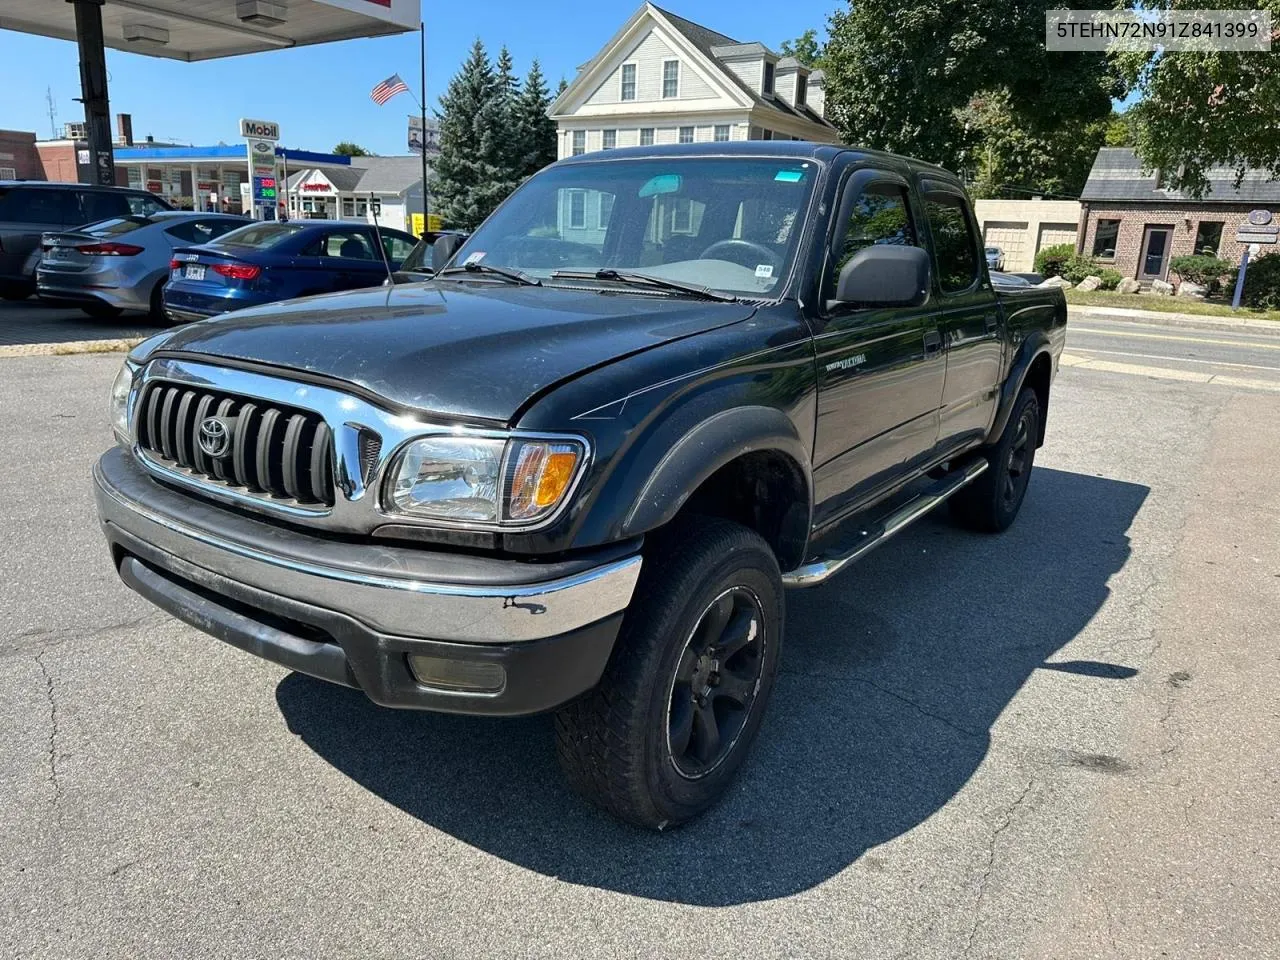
932	342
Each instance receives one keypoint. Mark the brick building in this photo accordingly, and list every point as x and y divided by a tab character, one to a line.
1133	223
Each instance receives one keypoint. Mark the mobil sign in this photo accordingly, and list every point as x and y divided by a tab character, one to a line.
405	13
259	129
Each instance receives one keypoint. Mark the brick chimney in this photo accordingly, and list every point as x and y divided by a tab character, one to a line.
124	129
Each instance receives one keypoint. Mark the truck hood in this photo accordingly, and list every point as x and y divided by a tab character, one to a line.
469	351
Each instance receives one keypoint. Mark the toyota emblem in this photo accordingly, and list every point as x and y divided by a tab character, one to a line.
215	436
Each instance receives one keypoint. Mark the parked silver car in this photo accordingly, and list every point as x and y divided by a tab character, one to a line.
123	263
995	258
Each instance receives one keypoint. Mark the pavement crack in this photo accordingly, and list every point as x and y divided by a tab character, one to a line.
53	729
901	698
991	861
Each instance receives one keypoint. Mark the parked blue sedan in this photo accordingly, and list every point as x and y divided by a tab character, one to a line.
265	262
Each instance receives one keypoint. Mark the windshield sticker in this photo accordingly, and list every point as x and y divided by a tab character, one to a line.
789	176
474	257
764	270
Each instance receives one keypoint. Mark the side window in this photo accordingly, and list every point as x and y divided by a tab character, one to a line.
880	215
397	248
219	227
349	245
34	205
98	205
954	241
198	231
144	205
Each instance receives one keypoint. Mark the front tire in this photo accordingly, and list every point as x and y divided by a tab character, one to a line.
664	733
991	502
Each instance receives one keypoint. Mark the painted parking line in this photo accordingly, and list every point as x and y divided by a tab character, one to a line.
69	348
1092	331
1075	361
1207	363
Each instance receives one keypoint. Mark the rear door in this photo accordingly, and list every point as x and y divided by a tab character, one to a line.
350	258
27	212
880	370
968	317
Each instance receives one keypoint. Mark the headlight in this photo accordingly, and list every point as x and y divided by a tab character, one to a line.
120	390
487	480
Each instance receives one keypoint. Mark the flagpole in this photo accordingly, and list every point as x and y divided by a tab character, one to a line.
422	105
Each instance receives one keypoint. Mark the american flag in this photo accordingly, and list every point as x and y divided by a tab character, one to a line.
388	88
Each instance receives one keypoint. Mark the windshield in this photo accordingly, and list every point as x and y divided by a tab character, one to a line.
419	259
730	224
259	235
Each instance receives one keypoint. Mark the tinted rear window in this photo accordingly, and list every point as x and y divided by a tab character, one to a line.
260	236
115	227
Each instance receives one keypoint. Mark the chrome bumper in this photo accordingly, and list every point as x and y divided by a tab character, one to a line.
390	590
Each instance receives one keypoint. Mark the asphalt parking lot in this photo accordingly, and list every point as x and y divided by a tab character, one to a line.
1060	742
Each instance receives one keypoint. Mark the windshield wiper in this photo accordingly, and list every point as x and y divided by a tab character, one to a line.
644	279
515	276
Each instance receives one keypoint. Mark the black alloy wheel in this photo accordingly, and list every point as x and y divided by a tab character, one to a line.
715	683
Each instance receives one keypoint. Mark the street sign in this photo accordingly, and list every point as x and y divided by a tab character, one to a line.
259	129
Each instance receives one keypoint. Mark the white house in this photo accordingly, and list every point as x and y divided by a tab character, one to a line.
392	186
664	79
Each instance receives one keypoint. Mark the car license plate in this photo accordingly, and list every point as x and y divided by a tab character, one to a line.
195	271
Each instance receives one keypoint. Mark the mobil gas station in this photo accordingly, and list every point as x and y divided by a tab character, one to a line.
248	177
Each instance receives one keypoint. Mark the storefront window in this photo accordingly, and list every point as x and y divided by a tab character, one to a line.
348	207
1104	239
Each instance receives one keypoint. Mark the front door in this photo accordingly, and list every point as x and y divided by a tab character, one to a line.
1155	253
880	371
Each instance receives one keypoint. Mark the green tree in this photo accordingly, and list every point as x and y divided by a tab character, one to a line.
1200	110
348	149
804	48
1122	129
536	130
901	75
510	141
470	178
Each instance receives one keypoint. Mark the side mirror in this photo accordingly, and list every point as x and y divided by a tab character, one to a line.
886	276
443	249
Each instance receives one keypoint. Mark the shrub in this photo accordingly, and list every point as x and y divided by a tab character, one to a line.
1077	268
1206	271
1049	261
1262	283
1110	279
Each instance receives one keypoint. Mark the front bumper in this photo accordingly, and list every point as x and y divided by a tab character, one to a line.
353	613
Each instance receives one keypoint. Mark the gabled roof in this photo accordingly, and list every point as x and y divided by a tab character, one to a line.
390	174
705	39
1117	174
712	45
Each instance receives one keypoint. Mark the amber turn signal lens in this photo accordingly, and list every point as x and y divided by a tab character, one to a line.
543	473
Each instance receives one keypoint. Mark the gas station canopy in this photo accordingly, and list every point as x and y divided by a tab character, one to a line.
208	29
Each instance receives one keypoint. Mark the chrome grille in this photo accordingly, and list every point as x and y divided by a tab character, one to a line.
276	451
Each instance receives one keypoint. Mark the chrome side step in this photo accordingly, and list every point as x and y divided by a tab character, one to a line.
819	571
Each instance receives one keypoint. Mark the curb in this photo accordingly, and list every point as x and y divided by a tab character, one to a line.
1155	318
69	348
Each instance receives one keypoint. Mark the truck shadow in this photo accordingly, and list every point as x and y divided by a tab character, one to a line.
891	678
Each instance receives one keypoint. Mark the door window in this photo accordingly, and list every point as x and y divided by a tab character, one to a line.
955	243
880	215
98	205
38	206
398	248
144	205
200	231
349	245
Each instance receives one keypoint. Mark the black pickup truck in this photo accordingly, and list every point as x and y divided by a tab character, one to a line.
576	470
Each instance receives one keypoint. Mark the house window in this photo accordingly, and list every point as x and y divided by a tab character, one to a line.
577	208
605	210
1208	236
11	173
721	133
686	134
802	83
646	136
628	81
608	139
766	134
768	78
1104	239
670	79
579	142
348	206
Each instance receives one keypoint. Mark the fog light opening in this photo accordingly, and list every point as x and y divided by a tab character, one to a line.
458	676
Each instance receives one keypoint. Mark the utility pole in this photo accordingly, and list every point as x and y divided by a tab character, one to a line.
422	104
93	91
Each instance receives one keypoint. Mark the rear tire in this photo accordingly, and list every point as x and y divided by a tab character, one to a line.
101	311
157	304
662	736
991	502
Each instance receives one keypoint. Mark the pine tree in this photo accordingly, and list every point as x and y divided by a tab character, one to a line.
469	173
506	128
537	131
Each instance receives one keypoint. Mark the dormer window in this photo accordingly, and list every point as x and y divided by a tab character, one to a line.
801	83
768	78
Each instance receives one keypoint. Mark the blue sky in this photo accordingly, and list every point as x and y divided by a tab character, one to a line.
320	95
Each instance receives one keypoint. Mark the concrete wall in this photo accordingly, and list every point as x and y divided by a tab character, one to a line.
1022	227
